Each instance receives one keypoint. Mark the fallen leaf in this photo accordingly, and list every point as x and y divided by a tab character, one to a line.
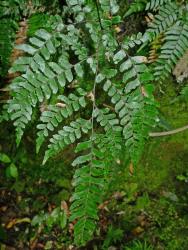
65	207
137	230
13	222
131	168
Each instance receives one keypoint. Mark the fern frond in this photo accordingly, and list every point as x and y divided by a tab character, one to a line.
87	13
131	68
19	8
143	117
12	8
156	4
137	40
155	48
90	181
55	114
107	120
132	103
77	8
184	93
133	108
167	16
84	53
41	21
68	135
137	115
136	6
109	6
110	143
175	45
28	90
4	116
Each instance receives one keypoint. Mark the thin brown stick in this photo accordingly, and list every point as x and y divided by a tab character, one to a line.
171	132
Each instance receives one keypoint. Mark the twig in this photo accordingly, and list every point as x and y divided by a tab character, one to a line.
171	132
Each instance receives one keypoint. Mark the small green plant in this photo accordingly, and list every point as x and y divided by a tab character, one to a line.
183	177
138	245
11	170
113	236
56	217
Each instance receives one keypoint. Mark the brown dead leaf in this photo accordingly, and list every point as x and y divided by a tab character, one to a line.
117	29
131	168
144	93
61	105
13	222
51	207
149	18
181	69
91	96
71	228
21	36
103	206
118	195
65	207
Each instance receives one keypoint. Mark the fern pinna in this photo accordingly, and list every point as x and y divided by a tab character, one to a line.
93	92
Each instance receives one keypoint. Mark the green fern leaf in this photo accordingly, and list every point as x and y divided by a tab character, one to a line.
133	109
55	114
155	4
136	6
167	16
132	68
66	136
175	45
90	180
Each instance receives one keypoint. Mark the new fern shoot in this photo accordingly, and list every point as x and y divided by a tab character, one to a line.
94	91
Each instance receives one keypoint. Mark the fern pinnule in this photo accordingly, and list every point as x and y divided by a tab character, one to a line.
156	4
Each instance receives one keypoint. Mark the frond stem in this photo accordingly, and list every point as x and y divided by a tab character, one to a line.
98	13
171	132
92	121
